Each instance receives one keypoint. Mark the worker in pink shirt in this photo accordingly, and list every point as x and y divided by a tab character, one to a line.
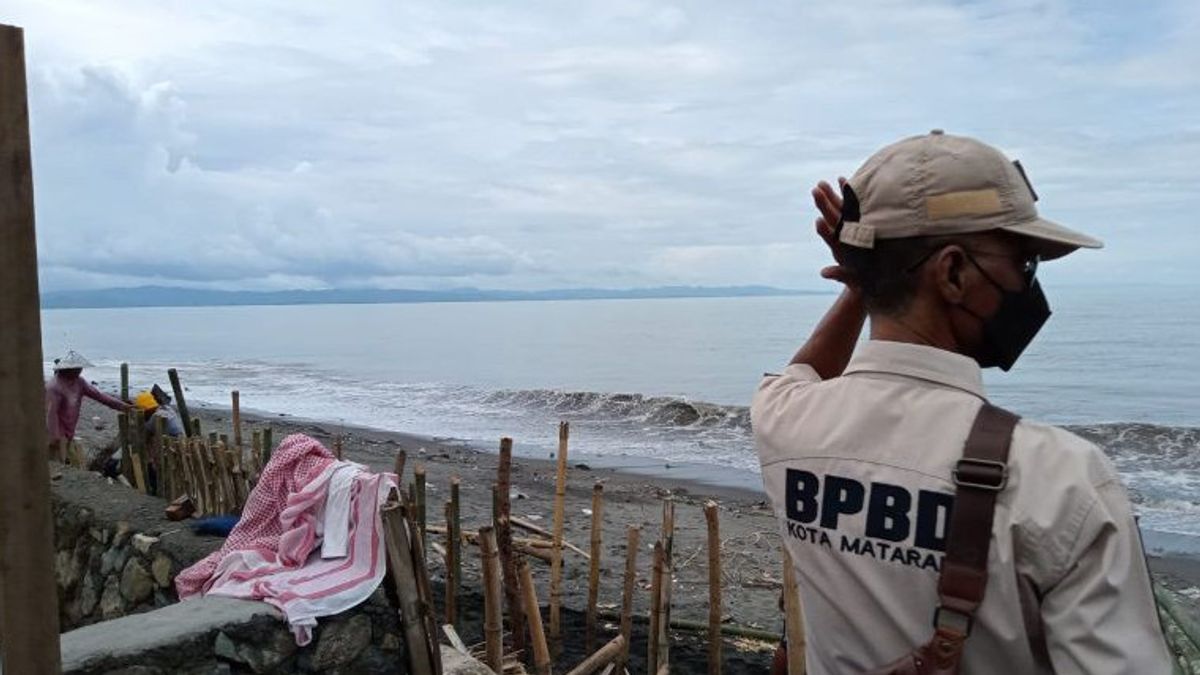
64	396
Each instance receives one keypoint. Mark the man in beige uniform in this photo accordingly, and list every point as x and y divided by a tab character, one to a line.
938	242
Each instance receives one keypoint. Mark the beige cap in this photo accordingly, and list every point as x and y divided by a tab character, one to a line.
939	184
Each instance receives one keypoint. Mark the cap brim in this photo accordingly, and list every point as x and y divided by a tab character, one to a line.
1051	239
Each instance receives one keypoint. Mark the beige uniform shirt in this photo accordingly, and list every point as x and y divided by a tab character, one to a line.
858	468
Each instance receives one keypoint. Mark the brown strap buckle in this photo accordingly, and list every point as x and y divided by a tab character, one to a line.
982	474
959	622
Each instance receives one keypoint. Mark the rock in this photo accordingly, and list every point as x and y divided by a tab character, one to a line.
224	648
99	534
111	603
260	658
161	567
63	570
114	559
89	597
143	542
122	534
583	467
341	642
390	642
136	583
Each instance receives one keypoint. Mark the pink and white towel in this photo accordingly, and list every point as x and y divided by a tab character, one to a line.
274	554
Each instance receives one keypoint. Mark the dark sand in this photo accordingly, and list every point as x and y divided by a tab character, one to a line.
750	557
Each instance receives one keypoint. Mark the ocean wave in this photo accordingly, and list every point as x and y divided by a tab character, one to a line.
665	411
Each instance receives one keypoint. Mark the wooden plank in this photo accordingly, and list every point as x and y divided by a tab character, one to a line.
28	593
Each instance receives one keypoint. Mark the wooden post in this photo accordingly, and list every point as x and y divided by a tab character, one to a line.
560	496
400	559
421	568
450	604
28	592
193	427
236	398
512	585
493	609
158	456
794	618
631	552
125	382
714	588
653	644
256	453
454	571
419	498
594	568
398	467
541	653
180	402
601	657
337	447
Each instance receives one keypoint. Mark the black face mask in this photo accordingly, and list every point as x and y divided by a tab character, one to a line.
1010	330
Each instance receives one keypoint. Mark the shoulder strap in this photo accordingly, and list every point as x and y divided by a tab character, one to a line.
979	476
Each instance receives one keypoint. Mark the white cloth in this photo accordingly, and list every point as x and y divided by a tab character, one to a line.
336	519
858	470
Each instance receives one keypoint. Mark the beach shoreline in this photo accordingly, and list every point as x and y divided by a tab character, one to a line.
751	544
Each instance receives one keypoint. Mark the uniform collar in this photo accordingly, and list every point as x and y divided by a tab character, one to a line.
920	362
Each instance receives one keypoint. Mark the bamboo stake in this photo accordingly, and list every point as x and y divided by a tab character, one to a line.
455	580
794	618
160	443
537	635
404	579
200	472
653	644
419	498
123	439
180	402
139	454
451	602
398	467
493	608
594	567
125	382
421	568
194	427
631	551
225	472
601	657
668	541
268	446
560	496
714	588
256	455
512	584
236	400
190	478
337	447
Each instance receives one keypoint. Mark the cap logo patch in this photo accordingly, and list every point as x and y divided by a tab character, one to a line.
964	203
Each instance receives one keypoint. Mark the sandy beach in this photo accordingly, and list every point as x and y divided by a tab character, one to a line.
751	546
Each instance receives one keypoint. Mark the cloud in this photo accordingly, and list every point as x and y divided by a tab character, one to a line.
597	143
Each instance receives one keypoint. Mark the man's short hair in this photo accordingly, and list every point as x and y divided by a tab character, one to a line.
886	273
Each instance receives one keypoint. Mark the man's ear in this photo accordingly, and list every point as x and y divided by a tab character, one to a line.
949	270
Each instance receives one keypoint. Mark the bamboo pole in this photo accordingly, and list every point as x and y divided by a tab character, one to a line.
123	441
400	559
600	658
794	618
421	568
450	604
508	563
256	455
180	402
594	567
631	551
560	496
668	575
236	399
454	572
192	427
337	447
139	451
28	592
493	609
698	627
268	445
537	635
419	498
160	443
653	644
125	382
398	467
714	587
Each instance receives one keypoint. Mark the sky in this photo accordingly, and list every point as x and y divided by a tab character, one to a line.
284	144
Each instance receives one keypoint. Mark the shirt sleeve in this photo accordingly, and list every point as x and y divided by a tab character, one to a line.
1100	616
95	394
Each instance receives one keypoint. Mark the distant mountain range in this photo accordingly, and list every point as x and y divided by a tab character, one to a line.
162	296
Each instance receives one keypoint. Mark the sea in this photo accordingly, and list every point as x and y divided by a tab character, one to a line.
659	387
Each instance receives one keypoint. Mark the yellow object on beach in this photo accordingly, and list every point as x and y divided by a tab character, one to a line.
145	401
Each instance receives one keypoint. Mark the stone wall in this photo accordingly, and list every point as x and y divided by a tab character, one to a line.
115	552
